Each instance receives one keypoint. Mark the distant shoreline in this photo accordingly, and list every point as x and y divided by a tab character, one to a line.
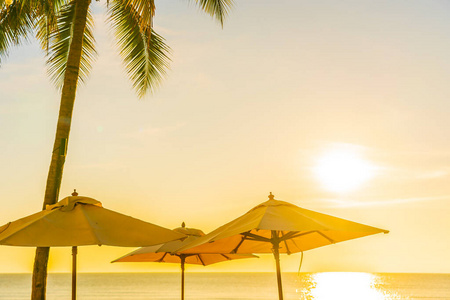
228	272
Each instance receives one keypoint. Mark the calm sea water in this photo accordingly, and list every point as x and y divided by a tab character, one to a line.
236	286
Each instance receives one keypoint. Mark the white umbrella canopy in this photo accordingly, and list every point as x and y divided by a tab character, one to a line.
168	253
279	227
78	221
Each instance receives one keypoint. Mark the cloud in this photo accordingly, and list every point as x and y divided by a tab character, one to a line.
433	174
150	131
412	174
110	166
352	203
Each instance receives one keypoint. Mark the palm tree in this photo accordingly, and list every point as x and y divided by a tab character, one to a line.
64	29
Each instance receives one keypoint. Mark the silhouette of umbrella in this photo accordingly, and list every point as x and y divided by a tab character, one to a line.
278	227
168	253
77	221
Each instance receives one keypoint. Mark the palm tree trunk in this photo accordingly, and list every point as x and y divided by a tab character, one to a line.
61	138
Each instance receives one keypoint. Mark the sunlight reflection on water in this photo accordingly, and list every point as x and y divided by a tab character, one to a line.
348	286
235	286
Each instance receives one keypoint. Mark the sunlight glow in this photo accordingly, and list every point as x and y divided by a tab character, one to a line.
343	169
348	286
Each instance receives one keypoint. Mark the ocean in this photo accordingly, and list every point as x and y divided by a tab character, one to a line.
236	286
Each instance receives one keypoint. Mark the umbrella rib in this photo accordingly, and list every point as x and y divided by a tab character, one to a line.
255	237
288	235
201	260
251	237
238	245
225	256
161	259
295	244
299	234
285	243
325	236
7	226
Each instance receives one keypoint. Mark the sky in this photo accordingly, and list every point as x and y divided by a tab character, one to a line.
336	106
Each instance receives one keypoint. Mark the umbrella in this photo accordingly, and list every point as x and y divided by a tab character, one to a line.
77	221
279	227
168	253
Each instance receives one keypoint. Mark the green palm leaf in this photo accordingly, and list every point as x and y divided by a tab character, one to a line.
18	20
16	25
144	52
145	9
216	8
47	21
60	40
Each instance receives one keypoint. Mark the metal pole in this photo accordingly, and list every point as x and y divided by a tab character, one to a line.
74	262
276	254
183	258
74	272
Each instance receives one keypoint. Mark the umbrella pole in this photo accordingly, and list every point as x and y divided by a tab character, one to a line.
276	254
182	276
74	272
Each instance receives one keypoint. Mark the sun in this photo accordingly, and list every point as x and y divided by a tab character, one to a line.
343	169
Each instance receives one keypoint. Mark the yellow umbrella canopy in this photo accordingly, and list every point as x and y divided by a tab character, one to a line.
279	227
168	253
297	229
77	221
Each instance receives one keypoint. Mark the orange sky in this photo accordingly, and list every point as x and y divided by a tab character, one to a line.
245	111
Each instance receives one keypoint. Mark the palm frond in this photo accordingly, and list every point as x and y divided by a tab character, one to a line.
216	8
145	9
47	21
16	25
145	54
60	40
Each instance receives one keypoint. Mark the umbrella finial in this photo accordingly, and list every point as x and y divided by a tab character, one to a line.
271	196
183	225
74	193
